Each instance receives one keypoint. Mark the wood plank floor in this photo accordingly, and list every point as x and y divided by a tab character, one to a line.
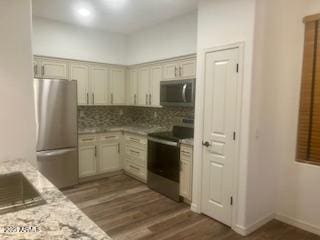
126	209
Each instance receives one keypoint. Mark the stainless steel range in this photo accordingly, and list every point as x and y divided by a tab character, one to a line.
164	160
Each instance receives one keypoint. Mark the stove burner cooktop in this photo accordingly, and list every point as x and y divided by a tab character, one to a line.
178	133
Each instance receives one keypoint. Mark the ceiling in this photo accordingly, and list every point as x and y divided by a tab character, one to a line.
123	16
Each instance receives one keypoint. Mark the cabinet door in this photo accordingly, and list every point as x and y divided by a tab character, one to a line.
188	68
185	179
117	86
132	94
170	71
109	157
143	86
80	73
54	69
99	86
87	161
36	68
155	79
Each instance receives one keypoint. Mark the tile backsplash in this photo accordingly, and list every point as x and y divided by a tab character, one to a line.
105	116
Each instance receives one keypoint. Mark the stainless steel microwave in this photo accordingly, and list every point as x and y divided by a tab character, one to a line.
177	93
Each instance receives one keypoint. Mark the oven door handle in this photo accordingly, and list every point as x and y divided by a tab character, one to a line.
174	144
184	93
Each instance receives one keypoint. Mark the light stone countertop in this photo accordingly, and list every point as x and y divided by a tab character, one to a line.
188	141
58	219
141	130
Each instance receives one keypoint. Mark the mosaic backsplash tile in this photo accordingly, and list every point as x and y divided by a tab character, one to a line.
106	116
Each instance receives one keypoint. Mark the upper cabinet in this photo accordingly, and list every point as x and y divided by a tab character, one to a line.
182	69
80	73
132	87
105	84
143	86
149	78
117	86
99	85
155	79
50	68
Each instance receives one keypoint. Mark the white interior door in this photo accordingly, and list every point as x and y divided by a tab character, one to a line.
219	134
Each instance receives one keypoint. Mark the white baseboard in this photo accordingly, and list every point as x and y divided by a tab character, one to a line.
298	223
245	231
195	208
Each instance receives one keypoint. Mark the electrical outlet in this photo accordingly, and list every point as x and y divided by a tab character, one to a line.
155	115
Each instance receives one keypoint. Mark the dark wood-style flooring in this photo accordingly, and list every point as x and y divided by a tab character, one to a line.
126	209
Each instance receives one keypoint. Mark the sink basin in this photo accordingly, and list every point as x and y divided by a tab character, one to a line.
17	193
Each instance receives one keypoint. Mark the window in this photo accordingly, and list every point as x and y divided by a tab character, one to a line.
308	145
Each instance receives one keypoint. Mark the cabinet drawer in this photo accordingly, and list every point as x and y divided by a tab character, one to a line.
136	140
186	152
109	137
137	155
88	139
136	170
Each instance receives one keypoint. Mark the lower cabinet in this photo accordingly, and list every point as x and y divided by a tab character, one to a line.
186	160
135	160
109	157
99	153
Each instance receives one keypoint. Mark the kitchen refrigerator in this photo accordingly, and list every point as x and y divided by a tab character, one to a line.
56	125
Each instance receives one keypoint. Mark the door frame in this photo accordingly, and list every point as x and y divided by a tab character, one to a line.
199	127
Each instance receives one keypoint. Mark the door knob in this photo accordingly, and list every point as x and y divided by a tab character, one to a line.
206	144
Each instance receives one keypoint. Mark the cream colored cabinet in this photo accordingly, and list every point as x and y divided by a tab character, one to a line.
99	85
149	78
170	71
109	157
155	78
187	68
87	156
51	68
132	87
80	73
143	86
135	160
182	69
99	153
186	172
54	69
36	67
109	152
117	85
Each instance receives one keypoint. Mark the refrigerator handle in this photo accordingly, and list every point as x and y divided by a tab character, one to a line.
55	152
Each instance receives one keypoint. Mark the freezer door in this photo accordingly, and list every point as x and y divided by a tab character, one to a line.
56	113
59	166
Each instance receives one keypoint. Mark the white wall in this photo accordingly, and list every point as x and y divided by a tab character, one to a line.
17	121
298	184
57	39
222	22
172	38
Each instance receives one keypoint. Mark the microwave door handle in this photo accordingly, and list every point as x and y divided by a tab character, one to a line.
184	93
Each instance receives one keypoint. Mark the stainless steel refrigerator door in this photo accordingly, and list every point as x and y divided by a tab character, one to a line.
56	113
59	166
